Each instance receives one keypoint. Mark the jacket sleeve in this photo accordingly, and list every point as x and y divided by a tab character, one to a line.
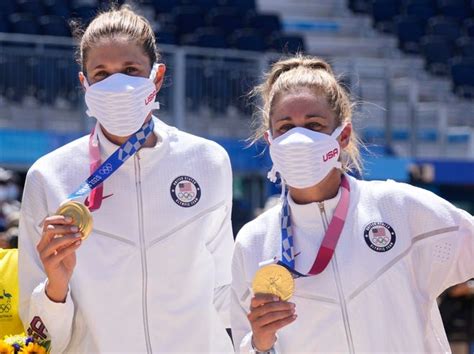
443	253
42	318
240	305
220	246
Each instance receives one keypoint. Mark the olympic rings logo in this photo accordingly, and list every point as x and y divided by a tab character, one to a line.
106	169
186	195
381	240
4	308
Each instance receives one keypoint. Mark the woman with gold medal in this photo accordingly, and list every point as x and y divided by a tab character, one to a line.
125	235
340	265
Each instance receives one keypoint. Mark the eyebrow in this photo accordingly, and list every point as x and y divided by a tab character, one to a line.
308	116
127	63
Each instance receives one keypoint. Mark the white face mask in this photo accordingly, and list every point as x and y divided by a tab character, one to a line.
304	157
121	102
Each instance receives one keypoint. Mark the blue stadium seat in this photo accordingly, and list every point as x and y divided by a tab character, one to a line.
3	74
360	6
52	25
287	43
58	8
437	51
409	30
209	37
405	3
4	24
248	39
166	36
383	12
203	4
34	7
445	27
228	19
165	6
267	24
462	74
456	9
422	11
85	12
469	27
187	19
244	5
8	6
465	46
24	23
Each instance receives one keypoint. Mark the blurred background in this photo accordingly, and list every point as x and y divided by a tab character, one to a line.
409	65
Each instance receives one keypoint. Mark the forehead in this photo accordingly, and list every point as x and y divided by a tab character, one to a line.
300	102
115	52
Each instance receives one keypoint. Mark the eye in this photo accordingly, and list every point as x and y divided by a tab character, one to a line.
314	126
100	75
130	70
284	128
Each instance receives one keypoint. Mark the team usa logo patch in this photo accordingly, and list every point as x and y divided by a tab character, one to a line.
379	236
185	191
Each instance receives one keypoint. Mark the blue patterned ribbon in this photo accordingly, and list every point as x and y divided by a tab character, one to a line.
117	159
330	239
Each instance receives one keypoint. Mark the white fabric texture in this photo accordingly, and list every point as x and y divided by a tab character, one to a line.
152	271
304	157
122	102
364	301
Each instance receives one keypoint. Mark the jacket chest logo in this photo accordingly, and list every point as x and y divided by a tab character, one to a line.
185	191
379	236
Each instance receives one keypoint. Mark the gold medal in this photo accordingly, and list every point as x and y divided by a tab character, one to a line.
81	216
274	279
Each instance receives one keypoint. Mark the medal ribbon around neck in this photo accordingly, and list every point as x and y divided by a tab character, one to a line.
331	237
100	172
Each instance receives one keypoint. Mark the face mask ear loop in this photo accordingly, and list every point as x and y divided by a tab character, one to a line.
337	132
86	86
154	70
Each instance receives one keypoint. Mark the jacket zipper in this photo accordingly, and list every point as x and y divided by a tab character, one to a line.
340	291
138	183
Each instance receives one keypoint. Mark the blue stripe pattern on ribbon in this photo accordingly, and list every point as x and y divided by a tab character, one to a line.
117	159
287	249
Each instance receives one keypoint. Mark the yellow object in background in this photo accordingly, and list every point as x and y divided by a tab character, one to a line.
10	322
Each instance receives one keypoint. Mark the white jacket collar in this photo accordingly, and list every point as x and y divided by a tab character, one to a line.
308	216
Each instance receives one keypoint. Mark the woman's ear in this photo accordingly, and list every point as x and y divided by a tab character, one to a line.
345	136
160	76
267	137
82	80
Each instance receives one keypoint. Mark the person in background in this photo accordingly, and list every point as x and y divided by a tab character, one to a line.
154	274
457	310
368	259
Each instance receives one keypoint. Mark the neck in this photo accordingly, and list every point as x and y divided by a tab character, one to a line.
324	190
119	140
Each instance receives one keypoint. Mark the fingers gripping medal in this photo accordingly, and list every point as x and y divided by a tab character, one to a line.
80	215
274	279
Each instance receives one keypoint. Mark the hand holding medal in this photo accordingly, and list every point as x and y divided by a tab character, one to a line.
72	223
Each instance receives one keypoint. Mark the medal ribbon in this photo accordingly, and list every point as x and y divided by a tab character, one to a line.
100	172
331	237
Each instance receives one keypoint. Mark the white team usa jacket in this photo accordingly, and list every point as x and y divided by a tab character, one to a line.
155	272
400	248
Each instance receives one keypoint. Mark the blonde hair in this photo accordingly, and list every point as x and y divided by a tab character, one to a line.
115	23
287	75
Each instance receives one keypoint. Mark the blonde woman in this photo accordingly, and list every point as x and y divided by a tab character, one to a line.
154	274
368	259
